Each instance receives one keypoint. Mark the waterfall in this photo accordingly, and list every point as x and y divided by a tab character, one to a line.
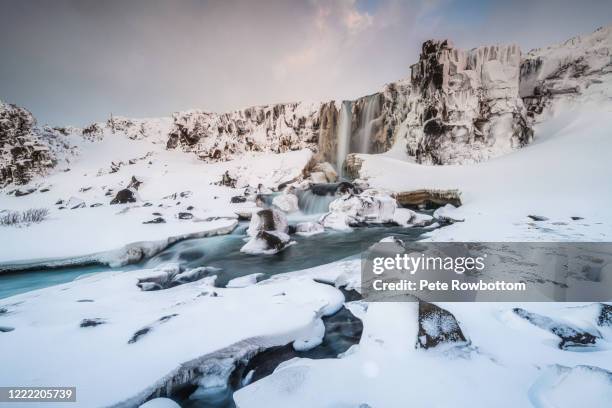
344	134
310	203
368	119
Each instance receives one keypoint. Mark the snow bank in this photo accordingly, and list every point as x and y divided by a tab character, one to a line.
195	318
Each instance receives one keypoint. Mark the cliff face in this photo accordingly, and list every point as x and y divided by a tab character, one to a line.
563	71
466	105
272	128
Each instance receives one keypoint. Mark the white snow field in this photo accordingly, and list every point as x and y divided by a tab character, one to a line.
106	231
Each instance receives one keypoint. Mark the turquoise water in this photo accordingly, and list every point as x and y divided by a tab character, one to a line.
224	252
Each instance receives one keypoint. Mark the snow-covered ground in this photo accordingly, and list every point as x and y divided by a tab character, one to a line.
137	340
172	182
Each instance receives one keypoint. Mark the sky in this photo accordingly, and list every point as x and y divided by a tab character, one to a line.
72	62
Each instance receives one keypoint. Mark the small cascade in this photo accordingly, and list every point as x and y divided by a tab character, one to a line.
311	203
344	134
368	120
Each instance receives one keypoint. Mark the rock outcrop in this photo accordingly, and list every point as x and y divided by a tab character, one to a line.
22	152
466	104
565	70
271	128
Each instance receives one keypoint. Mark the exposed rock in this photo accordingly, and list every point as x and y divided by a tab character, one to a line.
318	177
25	151
148	329
604	319
271	128
185	216
447	214
21	193
359	210
75	203
134	184
468	107
169	276
268	230
96	205
570	336
92	322
352	166
124	196
328	170
158	220
562	71
426	198
344	187
238	199
538	217
267	220
437	326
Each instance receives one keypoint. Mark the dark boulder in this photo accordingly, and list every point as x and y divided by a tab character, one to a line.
437	326
185	216
538	217
570	336
158	220
124	196
92	322
272	241
238	199
323	189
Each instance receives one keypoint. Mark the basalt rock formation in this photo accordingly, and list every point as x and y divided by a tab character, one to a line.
467	106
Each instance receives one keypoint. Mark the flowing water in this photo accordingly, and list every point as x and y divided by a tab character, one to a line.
368	120
224	252
344	134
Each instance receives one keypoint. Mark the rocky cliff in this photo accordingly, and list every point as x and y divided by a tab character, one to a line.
271	128
25	150
466	104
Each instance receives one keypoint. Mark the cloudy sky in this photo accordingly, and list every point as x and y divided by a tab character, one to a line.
76	61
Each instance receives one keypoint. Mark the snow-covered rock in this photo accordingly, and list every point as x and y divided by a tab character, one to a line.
268	232
468	107
27	150
267	220
565	71
244	281
286	202
404	216
271	128
353	210
309	228
449	214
